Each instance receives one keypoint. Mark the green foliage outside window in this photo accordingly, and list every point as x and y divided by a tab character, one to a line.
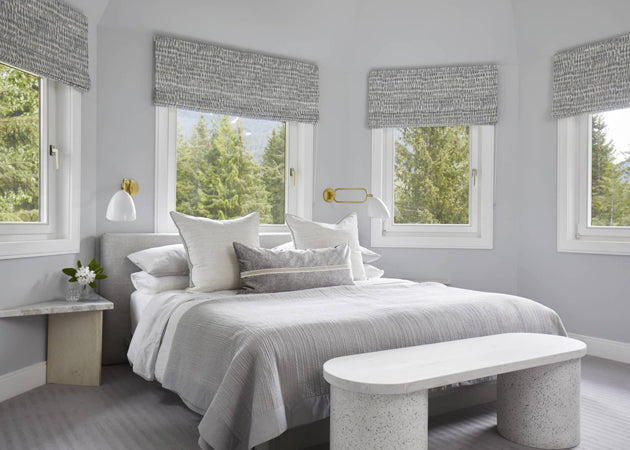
431	175
218	178
610	180
19	146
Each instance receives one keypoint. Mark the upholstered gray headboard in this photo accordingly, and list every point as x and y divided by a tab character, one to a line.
117	286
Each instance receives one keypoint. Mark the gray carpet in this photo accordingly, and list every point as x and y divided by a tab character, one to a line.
127	412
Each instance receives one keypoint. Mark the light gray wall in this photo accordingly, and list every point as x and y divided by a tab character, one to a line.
590	292
346	39
28	280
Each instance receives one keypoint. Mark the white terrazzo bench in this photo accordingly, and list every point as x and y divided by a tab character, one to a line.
379	399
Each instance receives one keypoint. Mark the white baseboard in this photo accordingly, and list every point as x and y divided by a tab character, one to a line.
22	380
604	348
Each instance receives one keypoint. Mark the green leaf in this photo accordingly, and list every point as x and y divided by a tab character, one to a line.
72	279
92	285
93	265
79	263
100	276
69	271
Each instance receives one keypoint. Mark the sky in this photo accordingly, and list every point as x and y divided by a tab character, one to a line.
618	130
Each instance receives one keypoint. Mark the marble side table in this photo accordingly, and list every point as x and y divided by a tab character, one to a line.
75	334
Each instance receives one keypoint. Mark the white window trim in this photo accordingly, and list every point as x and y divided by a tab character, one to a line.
59	233
299	197
574	166
477	234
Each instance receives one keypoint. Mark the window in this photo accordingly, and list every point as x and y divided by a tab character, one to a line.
40	165
222	167
438	183
594	183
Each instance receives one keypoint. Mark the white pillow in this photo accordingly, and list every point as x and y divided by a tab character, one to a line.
308	234
162	261
372	272
367	255
145	282
211	256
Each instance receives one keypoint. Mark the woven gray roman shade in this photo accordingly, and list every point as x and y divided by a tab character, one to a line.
206	77
592	78
433	96
47	38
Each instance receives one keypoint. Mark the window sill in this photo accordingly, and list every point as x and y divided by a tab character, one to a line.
593	246
31	249
382	238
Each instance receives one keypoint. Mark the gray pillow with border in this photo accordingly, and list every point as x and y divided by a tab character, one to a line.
267	270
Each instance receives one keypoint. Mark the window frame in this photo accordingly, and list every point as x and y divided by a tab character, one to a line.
60	189
478	233
300	141
574	232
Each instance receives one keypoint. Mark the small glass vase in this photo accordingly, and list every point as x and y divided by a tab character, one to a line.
76	292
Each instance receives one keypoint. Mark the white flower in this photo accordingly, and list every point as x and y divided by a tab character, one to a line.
85	276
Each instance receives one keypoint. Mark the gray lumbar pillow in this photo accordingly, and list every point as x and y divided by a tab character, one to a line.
267	270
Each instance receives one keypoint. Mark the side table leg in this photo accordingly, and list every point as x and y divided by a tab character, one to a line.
368	421
540	407
74	348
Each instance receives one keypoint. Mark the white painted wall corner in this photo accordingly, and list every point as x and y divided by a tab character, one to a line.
22	380
604	348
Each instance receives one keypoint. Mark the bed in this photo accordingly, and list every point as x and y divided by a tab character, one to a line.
251	364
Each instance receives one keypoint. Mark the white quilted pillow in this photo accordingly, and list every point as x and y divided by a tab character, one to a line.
309	234
211	257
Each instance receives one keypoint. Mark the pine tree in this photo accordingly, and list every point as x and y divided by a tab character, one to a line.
216	176
273	172
431	175
19	146
610	185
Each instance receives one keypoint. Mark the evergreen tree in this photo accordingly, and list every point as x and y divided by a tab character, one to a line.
431	175
273	172
610	183
216	177
19	146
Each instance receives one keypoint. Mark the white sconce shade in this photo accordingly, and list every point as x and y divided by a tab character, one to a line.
377	209
121	208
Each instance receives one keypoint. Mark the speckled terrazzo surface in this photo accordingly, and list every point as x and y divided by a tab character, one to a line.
540	407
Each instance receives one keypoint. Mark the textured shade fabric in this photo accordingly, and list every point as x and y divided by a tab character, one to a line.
46	37
592	78
205	77
266	270
433	96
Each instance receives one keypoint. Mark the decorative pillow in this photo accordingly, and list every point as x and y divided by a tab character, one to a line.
162	261
308	234
208	243
372	272
367	255
266	270
146	282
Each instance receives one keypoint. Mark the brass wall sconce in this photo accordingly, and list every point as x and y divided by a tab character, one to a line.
376	207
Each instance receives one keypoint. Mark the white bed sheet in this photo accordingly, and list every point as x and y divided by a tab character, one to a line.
137	303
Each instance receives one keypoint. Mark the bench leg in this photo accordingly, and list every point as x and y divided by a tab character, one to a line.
368	421
540	407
